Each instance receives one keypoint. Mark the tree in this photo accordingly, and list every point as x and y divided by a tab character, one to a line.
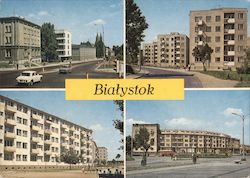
118	52
99	46
203	53
48	43
245	66
128	145
141	141
70	158
135	26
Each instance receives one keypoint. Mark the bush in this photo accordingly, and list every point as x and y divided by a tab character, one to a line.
242	70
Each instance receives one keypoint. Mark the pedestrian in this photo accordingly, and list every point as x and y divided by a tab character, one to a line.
189	67
17	66
194	158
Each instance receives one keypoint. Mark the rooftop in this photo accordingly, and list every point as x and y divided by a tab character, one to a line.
19	19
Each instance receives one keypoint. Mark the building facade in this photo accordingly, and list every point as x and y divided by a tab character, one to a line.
170	50
225	31
186	141
64	41
103	153
20	41
29	136
83	52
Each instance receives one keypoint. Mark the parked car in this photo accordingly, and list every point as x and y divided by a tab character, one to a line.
65	69
167	153
29	77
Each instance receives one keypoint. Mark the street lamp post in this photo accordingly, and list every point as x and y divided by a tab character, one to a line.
243	146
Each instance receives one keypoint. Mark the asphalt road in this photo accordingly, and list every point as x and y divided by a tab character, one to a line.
190	80
209	168
51	77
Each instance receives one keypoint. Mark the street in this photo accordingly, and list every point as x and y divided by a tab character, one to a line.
206	168
190	80
51	77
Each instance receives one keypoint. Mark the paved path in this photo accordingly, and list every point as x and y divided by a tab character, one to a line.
43	174
192	79
206	168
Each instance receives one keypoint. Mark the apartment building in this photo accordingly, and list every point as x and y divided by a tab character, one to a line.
94	151
83	52
154	137
187	141
170	50
19	41
225	31
103	153
64	41
29	136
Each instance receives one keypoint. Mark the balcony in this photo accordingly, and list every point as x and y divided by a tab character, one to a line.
200	22
200	43
36	117
71	146
36	128
10	108
48	142
200	32
231	42
10	121
36	139
72	129
47	131
177	52
11	135
65	144
35	151
230	31
10	149
64	135
64	126
231	20
177	58
48	152
231	53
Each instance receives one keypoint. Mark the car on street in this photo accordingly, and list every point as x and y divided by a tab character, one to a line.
29	78
65	69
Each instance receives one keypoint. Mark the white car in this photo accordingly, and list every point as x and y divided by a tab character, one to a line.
29	77
65	69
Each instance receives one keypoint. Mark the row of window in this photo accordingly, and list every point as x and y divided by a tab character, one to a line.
208	39
218	17
24	109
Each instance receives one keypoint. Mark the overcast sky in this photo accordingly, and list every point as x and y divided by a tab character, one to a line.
95	115
201	110
165	16
76	16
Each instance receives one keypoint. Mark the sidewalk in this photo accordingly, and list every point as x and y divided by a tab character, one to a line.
206	80
47	65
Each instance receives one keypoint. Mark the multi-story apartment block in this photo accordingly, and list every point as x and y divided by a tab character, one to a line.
94	151
150	53
103	153
19	41
154	137
170	50
187	141
29	136
64	41
225	31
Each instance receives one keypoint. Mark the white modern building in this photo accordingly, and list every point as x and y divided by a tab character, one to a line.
29	136
64	40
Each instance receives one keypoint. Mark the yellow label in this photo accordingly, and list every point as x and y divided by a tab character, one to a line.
124	89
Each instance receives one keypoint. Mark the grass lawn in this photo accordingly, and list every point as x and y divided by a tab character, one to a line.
6	65
244	79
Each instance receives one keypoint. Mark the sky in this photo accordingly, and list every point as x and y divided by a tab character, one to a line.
209	110
76	16
95	115
165	16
